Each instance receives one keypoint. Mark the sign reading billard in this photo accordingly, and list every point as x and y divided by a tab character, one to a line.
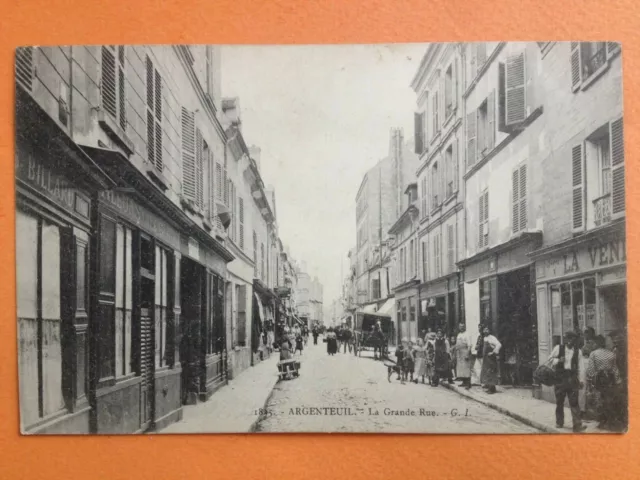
596	255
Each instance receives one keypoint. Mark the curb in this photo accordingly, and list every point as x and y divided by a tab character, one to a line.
254	426
504	411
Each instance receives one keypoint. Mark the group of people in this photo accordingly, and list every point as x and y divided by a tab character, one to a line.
589	374
435	358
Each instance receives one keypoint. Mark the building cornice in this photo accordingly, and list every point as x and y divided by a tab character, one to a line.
517	240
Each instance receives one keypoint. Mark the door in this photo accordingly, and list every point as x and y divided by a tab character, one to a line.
147	331
190	323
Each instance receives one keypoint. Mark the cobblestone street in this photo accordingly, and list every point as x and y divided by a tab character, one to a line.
363	401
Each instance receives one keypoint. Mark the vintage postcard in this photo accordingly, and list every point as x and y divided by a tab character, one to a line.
406	238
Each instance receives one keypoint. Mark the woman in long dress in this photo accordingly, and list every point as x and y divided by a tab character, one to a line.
490	349
443	370
420	358
332	342
430	355
462	348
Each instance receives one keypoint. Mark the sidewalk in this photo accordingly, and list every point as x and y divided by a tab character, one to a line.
233	408
519	404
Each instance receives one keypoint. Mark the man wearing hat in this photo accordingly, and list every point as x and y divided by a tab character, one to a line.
567	359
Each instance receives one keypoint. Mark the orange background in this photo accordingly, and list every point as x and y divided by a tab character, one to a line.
29	22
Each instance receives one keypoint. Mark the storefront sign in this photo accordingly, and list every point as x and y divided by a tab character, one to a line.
129	209
49	180
596	255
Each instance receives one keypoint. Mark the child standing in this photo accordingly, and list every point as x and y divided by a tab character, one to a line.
409	362
401	352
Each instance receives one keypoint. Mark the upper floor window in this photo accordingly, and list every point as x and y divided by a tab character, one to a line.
451	163
483	220
435	114
154	116
423	188
450	90
588	59
519	199
112	83
435	186
419	132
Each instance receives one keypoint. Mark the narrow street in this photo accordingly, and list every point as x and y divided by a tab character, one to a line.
344	393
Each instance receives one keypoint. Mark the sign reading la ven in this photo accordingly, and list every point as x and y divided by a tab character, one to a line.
595	255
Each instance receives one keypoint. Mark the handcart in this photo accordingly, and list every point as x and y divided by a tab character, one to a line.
288	369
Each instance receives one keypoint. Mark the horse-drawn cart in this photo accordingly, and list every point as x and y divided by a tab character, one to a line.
366	336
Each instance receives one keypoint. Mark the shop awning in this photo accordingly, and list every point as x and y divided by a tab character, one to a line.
260	308
369	308
387	308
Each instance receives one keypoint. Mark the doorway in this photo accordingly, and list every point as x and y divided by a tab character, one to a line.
191	303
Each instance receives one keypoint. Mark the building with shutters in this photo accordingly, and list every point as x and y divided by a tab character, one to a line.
439	142
580	275
117	186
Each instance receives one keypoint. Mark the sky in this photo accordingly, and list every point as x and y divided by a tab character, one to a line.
322	117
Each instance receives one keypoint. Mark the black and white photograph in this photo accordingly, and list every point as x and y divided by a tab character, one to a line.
423	238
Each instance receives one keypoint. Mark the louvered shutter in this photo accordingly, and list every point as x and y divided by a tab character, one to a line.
515	186
199	170
225	183
612	48
219	181
122	111
576	65
490	134
481	54
486	218
418	129
617	166
158	111
471	138
578	188
25	67
443	100
151	127
454	83
188	155
450	250
523	197
481	221
515	104
454	159
241	216
108	80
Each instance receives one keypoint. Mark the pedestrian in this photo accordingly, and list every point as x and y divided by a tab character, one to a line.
568	362
476	361
618	345
410	360
299	344
346	338
442	364
401	355
430	350
490	350
604	378
315	334
332	342
420	361
463	355
453	360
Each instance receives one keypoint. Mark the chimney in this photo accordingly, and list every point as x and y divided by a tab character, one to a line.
255	154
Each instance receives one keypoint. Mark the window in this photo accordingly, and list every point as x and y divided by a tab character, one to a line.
437	255
512	92
40	333
200	171
255	255
435	186
375	288
434	112
241	218
586	59
450	91
161	306
25	67
419	132
411	259
123	300
241	307
262	269
113	83
425	254
423	188
451	163
412	311
519	199
477	58
451	248
483	220
154	116
573	307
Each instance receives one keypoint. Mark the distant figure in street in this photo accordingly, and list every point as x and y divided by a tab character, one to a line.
462	351
442	366
346	338
410	360
568	362
401	353
332	342
315	334
604	377
490	349
420	361
299	344
453	360
379	341
430	357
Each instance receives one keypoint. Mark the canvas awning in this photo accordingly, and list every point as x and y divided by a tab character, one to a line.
369	308
387	308
260	307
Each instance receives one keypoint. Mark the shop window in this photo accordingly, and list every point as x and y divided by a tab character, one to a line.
412	313
573	308
40	341
106	299
486	310
161	306
123	300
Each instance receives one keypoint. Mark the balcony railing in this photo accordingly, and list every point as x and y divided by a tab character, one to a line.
602	209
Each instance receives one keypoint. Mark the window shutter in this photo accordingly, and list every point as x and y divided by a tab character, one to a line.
490	134
158	108
454	159
577	186
450	244
225	183
188	155
471	138
108	80
25	67
515	184
454	83
481	221
443	100
151	143
481	54
612	48
523	197
576	65
473	61
515	90
199	170
121	89
418	128
486	218
241	217
617	166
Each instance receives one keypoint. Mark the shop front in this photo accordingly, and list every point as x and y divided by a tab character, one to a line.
498	293
439	305
54	201
264	308
406	299
581	283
